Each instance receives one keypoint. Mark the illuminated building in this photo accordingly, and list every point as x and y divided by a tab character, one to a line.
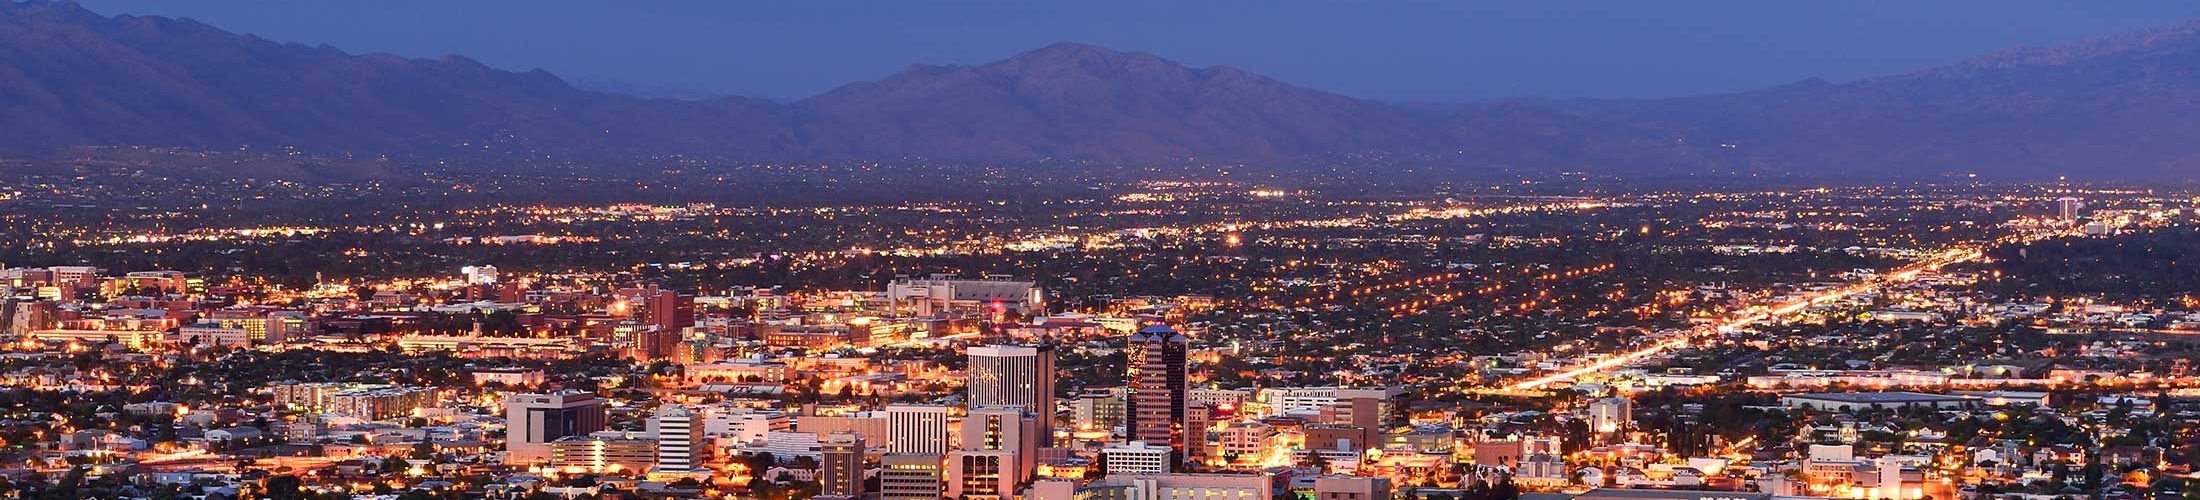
1135	457
24	317
916	429
1021	376
1217	398
2068	208
911	477
927	297
132	339
533	421
602	453
216	335
378	402
1611	415
744	425
1542	462
1246	439
479	275
1850	401
509	377
1004	428
1852	378
870	425
741	370
475	345
655	344
1279	401
840	474
261	325
1098	410
669	310
679	433
981	475
1156	378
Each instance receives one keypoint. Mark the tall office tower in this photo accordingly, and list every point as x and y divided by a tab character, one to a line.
1610	415
532	421
842	474
918	429
667	309
981	475
910	477
2067	208
1004	428
1154	406
679	433
1016	375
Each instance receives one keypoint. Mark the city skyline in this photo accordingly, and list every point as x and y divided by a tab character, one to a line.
1129	250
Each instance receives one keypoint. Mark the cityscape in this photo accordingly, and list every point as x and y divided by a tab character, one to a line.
239	263
1153	339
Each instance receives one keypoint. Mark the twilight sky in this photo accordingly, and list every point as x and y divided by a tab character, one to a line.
1401	50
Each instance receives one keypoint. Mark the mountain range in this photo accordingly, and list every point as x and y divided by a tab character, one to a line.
2125	106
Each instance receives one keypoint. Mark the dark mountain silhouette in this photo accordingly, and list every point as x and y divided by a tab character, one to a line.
71	77
2125	106
2115	107
1079	101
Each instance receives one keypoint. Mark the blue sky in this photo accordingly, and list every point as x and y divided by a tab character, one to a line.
1394	50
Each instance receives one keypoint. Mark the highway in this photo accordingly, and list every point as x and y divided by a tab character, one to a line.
1755	314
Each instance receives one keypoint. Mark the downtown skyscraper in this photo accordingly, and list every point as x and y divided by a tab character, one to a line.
1157	384
1020	376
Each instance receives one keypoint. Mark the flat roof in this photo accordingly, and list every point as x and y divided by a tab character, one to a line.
1880	397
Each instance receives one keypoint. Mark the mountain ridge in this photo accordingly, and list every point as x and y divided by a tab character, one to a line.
2119	106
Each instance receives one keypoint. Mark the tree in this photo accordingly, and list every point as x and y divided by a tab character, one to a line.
758	463
285	487
1505	489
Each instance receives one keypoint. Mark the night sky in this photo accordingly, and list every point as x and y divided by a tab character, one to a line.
1394	51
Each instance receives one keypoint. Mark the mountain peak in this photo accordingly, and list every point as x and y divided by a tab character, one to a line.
1090	58
1059	50
67	8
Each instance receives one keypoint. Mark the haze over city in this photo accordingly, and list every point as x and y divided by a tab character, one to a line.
1099	250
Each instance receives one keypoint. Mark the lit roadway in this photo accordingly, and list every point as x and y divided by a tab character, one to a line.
1759	313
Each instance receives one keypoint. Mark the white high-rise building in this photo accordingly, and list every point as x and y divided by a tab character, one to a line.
1611	415
1135	457
479	275
917	429
2068	208
679	433
1020	376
